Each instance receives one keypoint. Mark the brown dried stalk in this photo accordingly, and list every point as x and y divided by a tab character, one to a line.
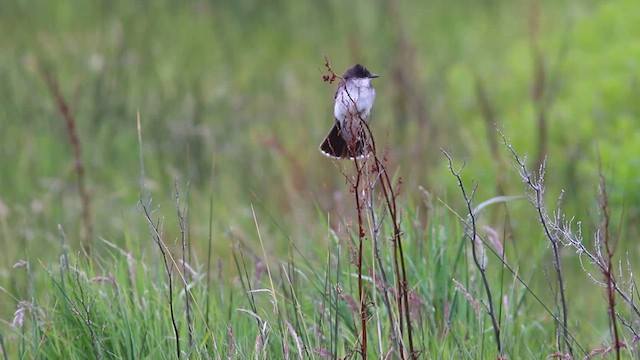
70	121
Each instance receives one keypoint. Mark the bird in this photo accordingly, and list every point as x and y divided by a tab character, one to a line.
352	107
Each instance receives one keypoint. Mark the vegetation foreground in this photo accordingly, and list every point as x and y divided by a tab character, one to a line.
426	281
162	196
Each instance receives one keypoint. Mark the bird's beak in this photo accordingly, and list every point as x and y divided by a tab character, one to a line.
373	76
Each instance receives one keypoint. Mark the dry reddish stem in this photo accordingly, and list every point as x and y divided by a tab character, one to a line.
355	186
402	296
70	122
607	272
363	307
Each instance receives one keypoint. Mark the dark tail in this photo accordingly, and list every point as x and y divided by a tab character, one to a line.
335	146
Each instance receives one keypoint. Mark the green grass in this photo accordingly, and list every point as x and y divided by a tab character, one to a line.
232	107
124	299
115	305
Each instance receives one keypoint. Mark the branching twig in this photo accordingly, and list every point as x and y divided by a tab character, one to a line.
573	238
516	275
561	230
537	200
87	316
156	233
471	233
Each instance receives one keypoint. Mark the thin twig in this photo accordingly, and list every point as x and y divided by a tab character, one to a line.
87	317
180	213
363	305
472	235
376	224
520	280
210	241
537	200
608	274
156	234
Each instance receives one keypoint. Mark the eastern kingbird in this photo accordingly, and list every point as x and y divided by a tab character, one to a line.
353	101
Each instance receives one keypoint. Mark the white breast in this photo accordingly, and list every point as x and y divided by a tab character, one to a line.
356	101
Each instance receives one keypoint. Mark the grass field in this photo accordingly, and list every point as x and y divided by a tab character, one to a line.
162	195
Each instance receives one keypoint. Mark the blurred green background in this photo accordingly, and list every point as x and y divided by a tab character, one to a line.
231	101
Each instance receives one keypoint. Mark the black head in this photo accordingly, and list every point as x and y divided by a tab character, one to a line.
359	72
